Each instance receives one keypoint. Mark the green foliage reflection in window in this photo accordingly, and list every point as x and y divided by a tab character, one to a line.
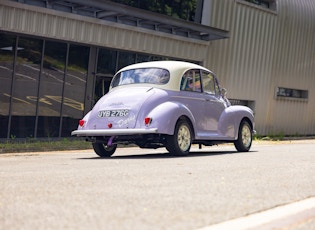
184	9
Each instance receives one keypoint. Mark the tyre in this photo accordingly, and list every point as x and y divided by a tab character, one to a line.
179	144
103	150
245	137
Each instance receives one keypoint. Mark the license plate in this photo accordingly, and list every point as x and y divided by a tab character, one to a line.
113	113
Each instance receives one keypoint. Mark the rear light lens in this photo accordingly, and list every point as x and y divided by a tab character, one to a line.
147	120
81	122
110	125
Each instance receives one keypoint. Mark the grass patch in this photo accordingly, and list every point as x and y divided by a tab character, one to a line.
278	137
16	145
35	145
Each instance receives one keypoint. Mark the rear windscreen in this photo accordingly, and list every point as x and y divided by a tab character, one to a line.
155	76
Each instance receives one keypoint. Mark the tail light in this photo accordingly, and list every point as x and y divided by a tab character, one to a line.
81	122
147	121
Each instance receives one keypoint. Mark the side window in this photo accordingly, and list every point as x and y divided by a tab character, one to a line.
209	83
191	81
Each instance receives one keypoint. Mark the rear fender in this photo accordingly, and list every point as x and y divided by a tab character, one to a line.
165	116
86	121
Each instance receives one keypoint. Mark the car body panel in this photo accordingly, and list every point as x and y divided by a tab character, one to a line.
119	100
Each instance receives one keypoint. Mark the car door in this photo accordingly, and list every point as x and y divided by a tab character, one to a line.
191	97
214	105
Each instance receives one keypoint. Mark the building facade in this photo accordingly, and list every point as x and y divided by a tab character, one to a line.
269	60
58	57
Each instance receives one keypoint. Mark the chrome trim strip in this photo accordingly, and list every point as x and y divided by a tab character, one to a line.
111	132
191	98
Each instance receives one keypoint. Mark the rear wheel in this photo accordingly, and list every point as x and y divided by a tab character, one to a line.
179	144
245	137
103	150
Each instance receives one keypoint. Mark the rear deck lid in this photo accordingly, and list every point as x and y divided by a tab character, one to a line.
119	108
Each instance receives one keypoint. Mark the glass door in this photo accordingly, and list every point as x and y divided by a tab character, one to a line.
102	83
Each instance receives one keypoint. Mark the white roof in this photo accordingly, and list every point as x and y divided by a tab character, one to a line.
169	65
176	69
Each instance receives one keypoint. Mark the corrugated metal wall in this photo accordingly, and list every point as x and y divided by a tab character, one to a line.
26	19
294	65
267	49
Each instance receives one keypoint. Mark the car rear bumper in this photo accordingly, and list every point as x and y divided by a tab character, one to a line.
112	132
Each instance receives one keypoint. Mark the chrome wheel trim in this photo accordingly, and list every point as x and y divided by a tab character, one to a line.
109	148
184	138
246	136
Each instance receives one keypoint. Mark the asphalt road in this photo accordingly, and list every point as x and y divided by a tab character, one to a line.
148	189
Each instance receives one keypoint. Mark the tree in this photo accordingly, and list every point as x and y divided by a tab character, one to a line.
184	9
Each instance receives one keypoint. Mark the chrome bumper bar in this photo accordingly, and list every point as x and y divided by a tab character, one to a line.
112	132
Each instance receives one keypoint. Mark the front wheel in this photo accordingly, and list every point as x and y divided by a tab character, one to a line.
179	144
245	137
103	150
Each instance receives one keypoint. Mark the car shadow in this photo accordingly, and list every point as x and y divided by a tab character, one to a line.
164	155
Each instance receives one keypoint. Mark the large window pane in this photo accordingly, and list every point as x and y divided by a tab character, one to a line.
125	59
106	68
51	85
74	94
27	69
106	62
142	58
7	44
145	58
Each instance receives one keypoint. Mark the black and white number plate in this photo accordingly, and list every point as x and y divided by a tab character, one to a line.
113	113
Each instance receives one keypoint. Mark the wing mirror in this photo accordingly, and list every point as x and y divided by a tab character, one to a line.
223	95
223	92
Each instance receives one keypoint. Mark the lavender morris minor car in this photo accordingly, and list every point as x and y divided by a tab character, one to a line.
168	104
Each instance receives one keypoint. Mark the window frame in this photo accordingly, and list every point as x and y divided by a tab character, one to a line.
184	83
291	94
214	81
271	8
217	89
120	77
